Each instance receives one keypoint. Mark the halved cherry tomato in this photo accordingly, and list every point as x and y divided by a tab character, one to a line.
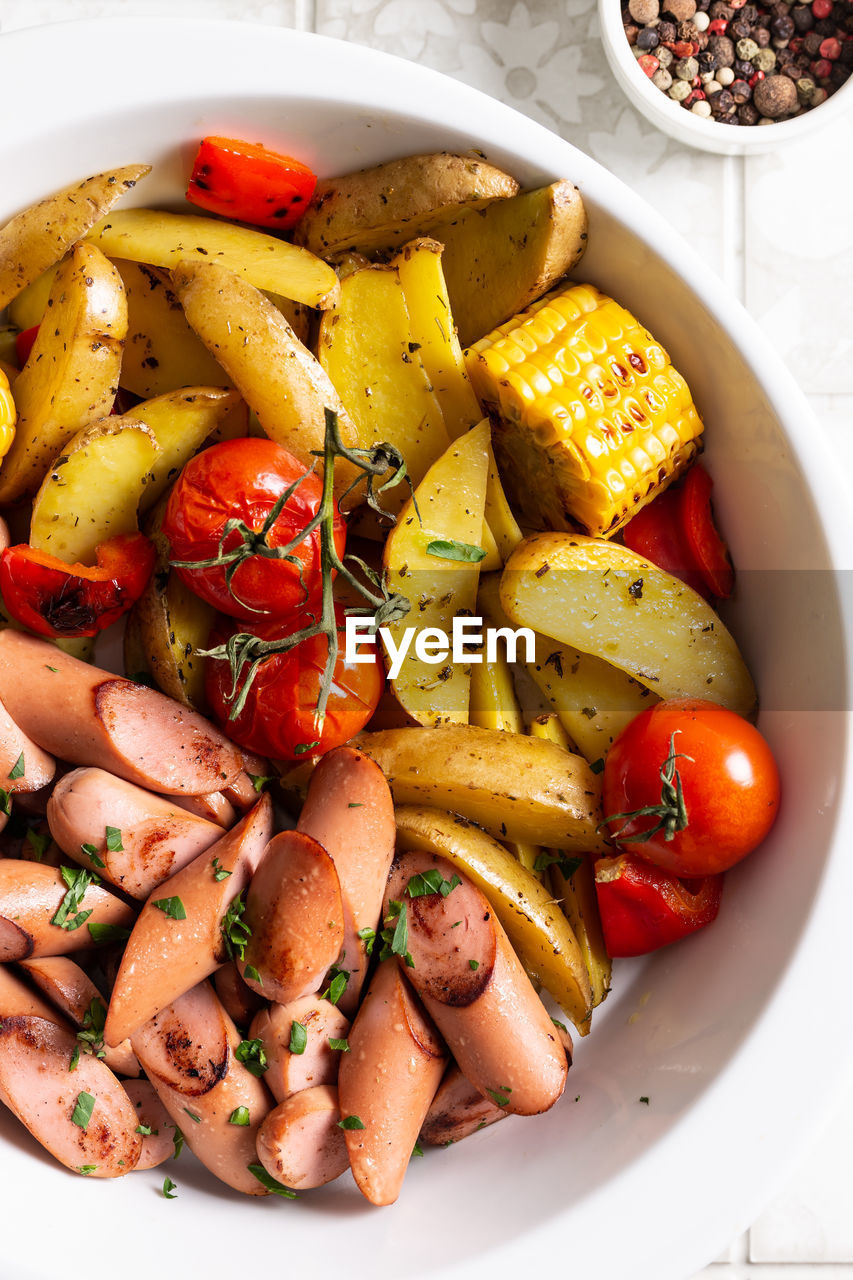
643	908
677	533
222	501
279	718
63	600
244	180
690	787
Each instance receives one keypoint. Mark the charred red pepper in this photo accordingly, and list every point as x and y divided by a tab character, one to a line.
59	600
643	908
24	344
677	533
246	182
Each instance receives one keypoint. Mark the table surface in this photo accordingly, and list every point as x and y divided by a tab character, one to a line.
777	229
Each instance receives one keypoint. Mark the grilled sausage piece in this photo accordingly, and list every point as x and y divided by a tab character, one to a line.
312	1061
386	1083
457	1110
349	810
74	994
294	912
159	1144
180	937
91	717
474	987
188	1054
301	1143
32	896
156	836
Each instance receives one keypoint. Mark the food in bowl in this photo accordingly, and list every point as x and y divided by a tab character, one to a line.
497	804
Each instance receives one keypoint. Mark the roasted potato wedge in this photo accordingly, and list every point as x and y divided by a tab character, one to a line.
71	376
92	491
165	239
277	376
368	352
39	236
539	932
181	422
432	557
380	208
593	699
501	522
603	599
514	787
29	307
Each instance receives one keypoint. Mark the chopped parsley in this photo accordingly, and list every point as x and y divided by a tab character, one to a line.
240	1116
114	844
18	768
338	979
351	1122
474	964
235	932
91	1033
556	858
39	844
251	1054
368	937
450	549
172	907
266	1180
251	974
91	852
169	1189
102	933
298	1037
340	1046
431	882
83	1109
260	780
395	935
77	881
500	1096
219	872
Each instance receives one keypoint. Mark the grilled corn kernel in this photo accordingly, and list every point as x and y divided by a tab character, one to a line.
8	416
592	420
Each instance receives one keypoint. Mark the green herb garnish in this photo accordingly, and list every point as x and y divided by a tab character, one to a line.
83	1108
240	1116
235	932
431	881
169	1190
171	907
266	1180
298	1037
351	1122
78	881
450	549
251	1054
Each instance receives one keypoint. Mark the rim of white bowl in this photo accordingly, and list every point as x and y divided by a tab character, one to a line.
748	1138
695	131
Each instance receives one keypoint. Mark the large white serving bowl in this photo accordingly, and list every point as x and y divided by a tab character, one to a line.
736	1037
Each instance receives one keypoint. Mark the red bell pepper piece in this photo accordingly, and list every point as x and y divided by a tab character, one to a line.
246	182
58	600
24	344
677	532
643	907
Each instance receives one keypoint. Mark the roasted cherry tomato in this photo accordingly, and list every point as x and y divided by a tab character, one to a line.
643	907
279	716
63	600
223	530
690	787
244	180
677	533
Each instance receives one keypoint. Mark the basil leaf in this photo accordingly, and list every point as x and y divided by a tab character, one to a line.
171	907
114	844
298	1037
340	1046
351	1122
18	768
450	549
83	1109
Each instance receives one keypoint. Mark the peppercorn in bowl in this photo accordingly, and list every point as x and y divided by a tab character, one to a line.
717	74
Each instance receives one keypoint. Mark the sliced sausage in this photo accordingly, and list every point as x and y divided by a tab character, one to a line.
294	912
301	1143
74	994
214	807
350	812
158	1144
19	1000
83	1116
474	987
33	768
32	895
242	792
241	1002
179	939
386	1083
291	1070
458	1110
90	717
156	835
188	1053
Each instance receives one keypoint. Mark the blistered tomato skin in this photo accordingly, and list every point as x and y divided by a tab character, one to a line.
729	779
278	720
242	480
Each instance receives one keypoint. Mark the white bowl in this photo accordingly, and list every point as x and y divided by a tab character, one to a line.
737	1036
694	131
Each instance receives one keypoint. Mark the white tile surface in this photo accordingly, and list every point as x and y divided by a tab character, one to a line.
779	229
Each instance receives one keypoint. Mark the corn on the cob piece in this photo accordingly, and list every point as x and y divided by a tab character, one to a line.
593	420
8	416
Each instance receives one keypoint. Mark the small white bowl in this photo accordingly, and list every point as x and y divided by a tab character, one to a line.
696	131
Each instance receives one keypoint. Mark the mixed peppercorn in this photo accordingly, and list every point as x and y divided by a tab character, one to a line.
741	63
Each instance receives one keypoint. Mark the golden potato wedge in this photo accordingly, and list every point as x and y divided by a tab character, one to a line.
540	934
367	351
513	786
498	259
27	309
92	491
181	422
161	353
8	347
71	376
593	699
137	663
499	518
603	599
276	375
39	236
432	557
166	239
381	208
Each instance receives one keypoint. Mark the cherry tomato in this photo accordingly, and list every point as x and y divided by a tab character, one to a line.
278	719
721	766
241	480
